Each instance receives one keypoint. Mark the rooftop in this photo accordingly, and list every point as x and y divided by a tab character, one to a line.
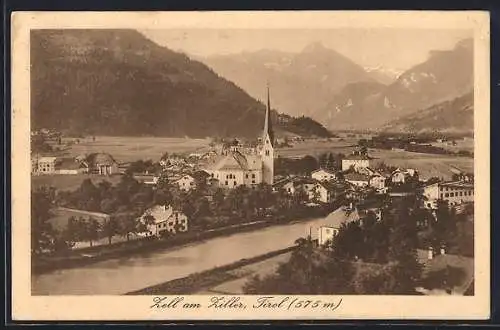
356	177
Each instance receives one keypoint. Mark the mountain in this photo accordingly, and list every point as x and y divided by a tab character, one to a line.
118	82
444	75
301	83
456	115
382	74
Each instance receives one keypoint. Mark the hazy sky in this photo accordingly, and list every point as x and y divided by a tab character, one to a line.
391	48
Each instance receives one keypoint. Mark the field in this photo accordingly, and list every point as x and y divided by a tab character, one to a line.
316	147
125	149
462	144
69	182
428	165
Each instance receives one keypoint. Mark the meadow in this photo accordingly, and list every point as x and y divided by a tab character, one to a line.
69	182
127	149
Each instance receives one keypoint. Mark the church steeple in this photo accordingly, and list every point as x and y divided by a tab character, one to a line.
268	127
268	146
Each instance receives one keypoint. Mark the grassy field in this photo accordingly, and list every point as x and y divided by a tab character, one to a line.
69	182
428	165
314	148
125	149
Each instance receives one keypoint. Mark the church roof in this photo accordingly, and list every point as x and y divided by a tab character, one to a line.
237	161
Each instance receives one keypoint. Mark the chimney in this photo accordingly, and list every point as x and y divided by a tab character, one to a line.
430	253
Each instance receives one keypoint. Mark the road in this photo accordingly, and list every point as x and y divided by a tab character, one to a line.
121	275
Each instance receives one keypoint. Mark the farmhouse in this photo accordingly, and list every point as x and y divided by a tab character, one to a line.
323	175
357	179
186	182
377	181
328	232
402	176
70	166
102	164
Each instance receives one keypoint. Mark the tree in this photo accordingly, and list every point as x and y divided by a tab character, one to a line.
91	227
308	271
42	232
110	228
73	232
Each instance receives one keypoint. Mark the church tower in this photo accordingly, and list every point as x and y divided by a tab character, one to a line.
268	146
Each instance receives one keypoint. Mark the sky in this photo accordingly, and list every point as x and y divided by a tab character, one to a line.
394	48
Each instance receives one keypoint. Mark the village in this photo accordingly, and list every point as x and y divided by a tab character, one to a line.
240	186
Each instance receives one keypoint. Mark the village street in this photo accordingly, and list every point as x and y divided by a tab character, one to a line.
119	276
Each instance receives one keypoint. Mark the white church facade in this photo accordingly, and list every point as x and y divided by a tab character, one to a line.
239	167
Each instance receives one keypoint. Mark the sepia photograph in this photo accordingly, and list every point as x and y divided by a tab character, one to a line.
303	165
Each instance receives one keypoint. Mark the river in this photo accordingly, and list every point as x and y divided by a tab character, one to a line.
125	274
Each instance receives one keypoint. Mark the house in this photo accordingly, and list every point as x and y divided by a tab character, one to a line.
398	176
202	177
366	171
326	234
377	181
323	175
46	165
455	193
357	179
149	179
238	166
102	164
186	182
164	219
316	191
356	161
70	166
370	206
402	176
333	223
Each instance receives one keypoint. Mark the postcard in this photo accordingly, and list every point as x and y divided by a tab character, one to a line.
259	165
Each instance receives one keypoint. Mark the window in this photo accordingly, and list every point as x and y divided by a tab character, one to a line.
461	194
446	195
246	175
253	175
441	195
234	183
226	183
253	181
267	152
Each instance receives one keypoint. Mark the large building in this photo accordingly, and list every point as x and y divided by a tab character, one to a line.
355	161
454	193
246	167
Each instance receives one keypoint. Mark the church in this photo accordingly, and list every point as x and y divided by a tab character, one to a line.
248	167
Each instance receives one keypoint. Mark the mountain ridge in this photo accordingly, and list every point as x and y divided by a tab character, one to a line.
118	82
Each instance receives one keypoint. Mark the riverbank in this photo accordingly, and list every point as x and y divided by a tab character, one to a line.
206	279
95	254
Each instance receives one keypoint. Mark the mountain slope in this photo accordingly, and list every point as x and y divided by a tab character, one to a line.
445	75
300	83
117	82
456	115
